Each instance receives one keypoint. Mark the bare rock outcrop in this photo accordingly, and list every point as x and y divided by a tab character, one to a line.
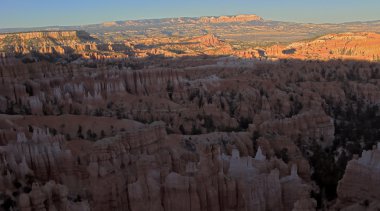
229	19
357	45
358	186
144	169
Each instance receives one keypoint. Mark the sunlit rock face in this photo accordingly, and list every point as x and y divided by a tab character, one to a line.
356	45
75	46
55	45
228	19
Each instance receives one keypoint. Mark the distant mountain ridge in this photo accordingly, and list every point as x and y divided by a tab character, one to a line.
245	31
179	20
232	19
182	20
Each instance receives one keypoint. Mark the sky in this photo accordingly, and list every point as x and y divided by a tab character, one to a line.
33	13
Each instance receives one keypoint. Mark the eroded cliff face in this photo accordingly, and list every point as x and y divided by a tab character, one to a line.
77	46
230	19
358	188
58	44
145	169
199	133
191	100
357	45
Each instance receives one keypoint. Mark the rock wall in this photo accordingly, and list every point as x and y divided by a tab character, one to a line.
358	187
142	170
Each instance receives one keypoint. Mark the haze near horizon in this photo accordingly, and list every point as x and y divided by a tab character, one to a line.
23	13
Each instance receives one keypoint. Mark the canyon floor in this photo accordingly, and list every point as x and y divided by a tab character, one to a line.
106	117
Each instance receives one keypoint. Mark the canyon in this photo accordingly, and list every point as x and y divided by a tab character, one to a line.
74	46
97	118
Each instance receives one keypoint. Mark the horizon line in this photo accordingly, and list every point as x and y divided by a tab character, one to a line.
174	17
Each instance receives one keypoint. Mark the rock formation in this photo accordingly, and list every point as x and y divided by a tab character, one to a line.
141	169
199	132
57	44
68	46
357	45
357	189
207	40
230	19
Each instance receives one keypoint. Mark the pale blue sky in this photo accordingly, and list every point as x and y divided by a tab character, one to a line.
30	13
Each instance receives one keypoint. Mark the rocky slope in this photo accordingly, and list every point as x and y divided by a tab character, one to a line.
68	46
361	45
208	40
71	45
192	133
357	190
191	114
56	44
145	169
